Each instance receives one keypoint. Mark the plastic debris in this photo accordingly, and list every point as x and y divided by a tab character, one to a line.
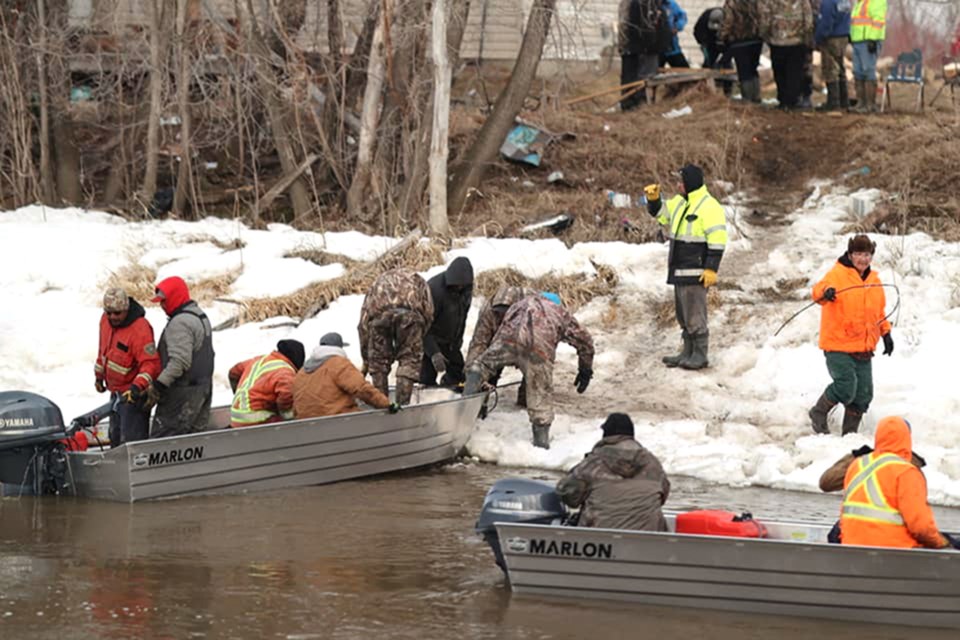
678	113
556	176
620	200
555	224
525	144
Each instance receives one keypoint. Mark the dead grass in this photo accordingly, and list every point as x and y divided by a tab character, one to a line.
322	258
137	280
574	291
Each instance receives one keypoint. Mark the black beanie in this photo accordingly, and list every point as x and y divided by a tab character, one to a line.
617	424
861	243
293	350
692	176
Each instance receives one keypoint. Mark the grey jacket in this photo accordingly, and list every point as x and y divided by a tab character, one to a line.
618	485
186	352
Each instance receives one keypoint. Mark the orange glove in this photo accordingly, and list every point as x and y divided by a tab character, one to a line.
708	278
652	191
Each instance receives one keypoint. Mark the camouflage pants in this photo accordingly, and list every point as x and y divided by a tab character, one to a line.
537	374
831	55
395	335
182	410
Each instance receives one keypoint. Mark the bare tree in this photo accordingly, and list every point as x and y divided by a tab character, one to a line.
185	170
157	80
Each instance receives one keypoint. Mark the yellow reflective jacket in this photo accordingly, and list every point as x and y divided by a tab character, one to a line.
868	21
697	228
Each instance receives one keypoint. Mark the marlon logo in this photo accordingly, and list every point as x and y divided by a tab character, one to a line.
571	549
173	456
140	459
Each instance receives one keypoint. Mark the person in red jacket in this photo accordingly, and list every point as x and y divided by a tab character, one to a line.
852	321
263	386
127	363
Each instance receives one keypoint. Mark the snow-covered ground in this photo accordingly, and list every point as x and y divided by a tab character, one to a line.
742	421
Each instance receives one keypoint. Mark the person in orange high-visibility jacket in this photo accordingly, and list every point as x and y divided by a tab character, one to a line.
127	362
263	386
852	320
885	496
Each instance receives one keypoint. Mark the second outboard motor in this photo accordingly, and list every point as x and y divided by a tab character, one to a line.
31	455
518	500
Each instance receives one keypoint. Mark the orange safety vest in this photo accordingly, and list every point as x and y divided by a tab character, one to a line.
867	517
262	397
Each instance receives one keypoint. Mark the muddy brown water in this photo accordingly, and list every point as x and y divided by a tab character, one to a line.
391	557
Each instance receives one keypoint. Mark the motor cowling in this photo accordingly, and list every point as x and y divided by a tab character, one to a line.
518	500
31	428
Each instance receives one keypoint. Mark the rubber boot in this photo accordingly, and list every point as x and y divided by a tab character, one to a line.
673	361
404	391
522	394
698	358
861	106
833	97
844	95
870	92
851	420
541	436
380	382
750	90
818	413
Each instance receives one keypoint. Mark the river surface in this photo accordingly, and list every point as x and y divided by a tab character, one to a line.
390	557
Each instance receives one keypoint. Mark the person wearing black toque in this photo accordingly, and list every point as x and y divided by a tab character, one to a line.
619	484
696	225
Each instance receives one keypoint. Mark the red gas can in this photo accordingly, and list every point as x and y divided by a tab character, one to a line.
720	523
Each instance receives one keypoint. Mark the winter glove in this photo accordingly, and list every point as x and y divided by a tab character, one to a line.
234	383
100	385
708	278
862	451
829	294
583	379
872	46
394	407
887	344
439	362
132	395
652	193
152	394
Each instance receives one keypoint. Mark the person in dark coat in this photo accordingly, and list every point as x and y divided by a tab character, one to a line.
452	292
707	34
645	33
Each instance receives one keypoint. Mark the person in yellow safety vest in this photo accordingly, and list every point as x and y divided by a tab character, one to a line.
885	496
263	386
697	227
868	29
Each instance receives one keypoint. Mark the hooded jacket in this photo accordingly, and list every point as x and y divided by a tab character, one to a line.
186	344
127	354
854	322
394	289
644	27
488	321
328	385
902	517
450	307
618	485
535	326
833	20
740	21
268	397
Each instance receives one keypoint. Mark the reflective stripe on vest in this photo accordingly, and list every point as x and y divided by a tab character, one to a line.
872	29
875	508
240	411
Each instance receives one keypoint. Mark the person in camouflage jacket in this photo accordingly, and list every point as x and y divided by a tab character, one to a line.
527	339
787	26
393	320
619	484
740	32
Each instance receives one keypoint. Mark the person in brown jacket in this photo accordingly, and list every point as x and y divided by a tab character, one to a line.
329	384
832	478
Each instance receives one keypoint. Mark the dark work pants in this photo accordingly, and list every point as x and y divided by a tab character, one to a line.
747	57
852	380
454	374
128	422
690	302
182	410
718	59
788	71
633	67
675	60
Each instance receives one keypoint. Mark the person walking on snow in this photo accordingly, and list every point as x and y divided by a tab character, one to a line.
452	293
127	362
184	388
528	339
852	321
263	386
697	228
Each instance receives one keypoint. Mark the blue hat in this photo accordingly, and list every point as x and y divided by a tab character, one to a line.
552	297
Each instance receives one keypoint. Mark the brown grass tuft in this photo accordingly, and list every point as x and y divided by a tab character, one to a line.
138	281
322	258
575	291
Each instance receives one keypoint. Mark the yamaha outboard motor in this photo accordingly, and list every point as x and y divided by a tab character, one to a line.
518	500
32	460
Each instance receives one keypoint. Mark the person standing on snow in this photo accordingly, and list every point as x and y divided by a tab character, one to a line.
489	320
527	339
852	321
619	484
393	320
697	227
263	386
127	362
452	293
184	388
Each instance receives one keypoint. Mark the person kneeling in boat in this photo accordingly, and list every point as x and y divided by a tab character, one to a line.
329	384
263	386
885	497
619	484
832	479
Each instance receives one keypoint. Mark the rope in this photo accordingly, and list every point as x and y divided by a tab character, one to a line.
896	307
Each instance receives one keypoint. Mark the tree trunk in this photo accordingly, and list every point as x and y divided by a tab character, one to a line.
439	136
47	184
484	149
360	60
184	172
157	75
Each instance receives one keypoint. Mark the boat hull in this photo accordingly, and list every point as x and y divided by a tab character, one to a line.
798	574
288	454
